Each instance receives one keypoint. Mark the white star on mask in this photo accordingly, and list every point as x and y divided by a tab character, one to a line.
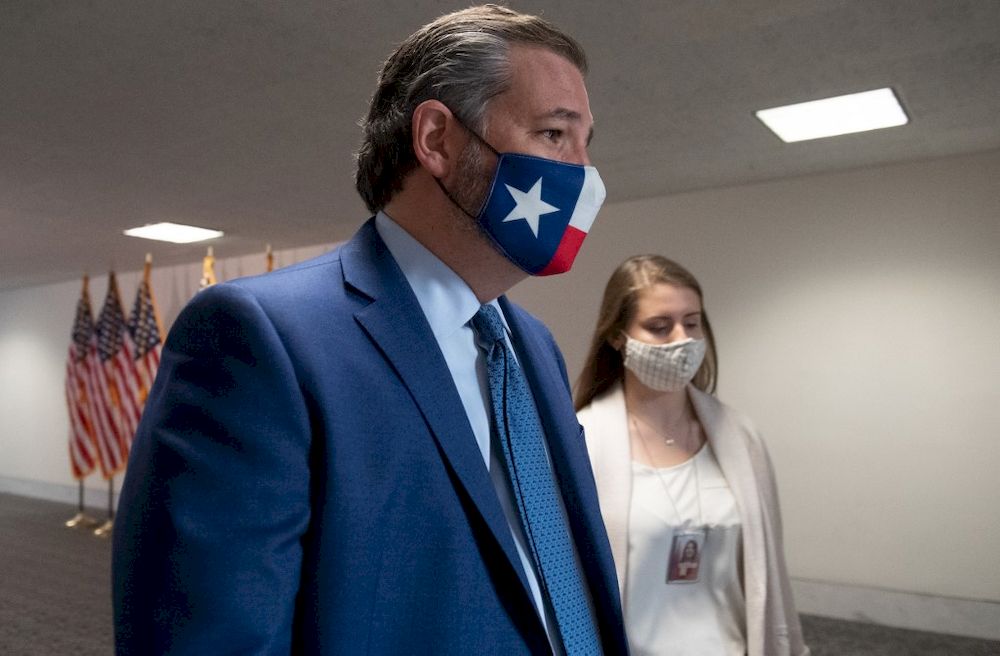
530	206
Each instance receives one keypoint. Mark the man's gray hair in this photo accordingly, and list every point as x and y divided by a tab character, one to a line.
460	59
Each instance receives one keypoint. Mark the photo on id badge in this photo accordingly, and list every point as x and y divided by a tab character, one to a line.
685	557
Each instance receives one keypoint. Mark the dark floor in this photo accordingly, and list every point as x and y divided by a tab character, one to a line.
829	637
55	600
54	582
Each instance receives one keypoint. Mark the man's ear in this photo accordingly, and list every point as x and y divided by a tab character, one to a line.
437	139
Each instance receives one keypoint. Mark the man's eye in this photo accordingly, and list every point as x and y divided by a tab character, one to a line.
552	135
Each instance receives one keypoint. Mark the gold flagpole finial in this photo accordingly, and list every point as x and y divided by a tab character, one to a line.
208	270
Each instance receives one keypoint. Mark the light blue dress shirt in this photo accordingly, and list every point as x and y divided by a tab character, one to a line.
449	305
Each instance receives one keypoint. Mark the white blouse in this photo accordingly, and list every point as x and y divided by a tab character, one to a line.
684	618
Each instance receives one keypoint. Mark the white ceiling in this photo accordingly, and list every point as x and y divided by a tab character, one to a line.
242	115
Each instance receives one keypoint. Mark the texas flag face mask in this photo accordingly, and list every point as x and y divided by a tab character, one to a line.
538	211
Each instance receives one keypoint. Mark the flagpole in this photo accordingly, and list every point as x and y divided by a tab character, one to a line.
147	269
104	530
82	446
81	519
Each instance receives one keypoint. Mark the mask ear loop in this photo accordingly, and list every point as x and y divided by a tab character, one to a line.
444	190
476	135
453	201
622	342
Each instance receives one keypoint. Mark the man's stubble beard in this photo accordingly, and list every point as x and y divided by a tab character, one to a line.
471	187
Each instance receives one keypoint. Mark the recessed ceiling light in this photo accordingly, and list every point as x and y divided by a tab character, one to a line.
173	232
856	112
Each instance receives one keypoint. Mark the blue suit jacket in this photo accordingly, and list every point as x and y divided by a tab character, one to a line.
305	480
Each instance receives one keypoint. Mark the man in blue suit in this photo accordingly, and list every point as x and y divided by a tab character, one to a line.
318	469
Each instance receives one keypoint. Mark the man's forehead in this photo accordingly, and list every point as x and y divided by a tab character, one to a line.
549	84
537	66
544	87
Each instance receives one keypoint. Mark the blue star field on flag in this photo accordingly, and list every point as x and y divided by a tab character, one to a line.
539	210
142	324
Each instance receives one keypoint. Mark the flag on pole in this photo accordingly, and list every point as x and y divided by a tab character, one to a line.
79	383
118	389
207	270
145	330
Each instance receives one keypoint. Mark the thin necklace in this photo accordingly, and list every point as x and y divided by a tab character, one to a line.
669	441
659	476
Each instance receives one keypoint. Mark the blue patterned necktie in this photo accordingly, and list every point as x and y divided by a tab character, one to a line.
520	433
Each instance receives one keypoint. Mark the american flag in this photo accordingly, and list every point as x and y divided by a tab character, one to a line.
144	328
79	385
118	383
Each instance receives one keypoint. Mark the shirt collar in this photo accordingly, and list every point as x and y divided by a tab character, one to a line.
447	301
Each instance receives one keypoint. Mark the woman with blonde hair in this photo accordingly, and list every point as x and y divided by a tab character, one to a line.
685	483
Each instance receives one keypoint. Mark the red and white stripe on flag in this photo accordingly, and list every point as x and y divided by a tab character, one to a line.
117	384
83	448
144	329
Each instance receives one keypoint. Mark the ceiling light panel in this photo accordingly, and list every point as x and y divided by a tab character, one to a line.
173	232
830	117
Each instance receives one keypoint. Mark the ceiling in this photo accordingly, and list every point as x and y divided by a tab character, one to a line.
242	115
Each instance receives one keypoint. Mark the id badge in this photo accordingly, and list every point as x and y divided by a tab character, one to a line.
685	556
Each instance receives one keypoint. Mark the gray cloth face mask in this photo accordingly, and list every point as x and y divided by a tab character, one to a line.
664	367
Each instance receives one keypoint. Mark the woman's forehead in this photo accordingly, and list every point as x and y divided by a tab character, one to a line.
664	295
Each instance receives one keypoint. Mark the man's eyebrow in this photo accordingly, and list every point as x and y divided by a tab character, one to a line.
570	115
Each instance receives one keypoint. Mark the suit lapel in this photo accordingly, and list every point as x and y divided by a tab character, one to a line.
547	384
731	451
395	322
729	448
611	455
572	466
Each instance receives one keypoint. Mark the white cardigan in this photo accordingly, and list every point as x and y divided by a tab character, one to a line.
773	627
